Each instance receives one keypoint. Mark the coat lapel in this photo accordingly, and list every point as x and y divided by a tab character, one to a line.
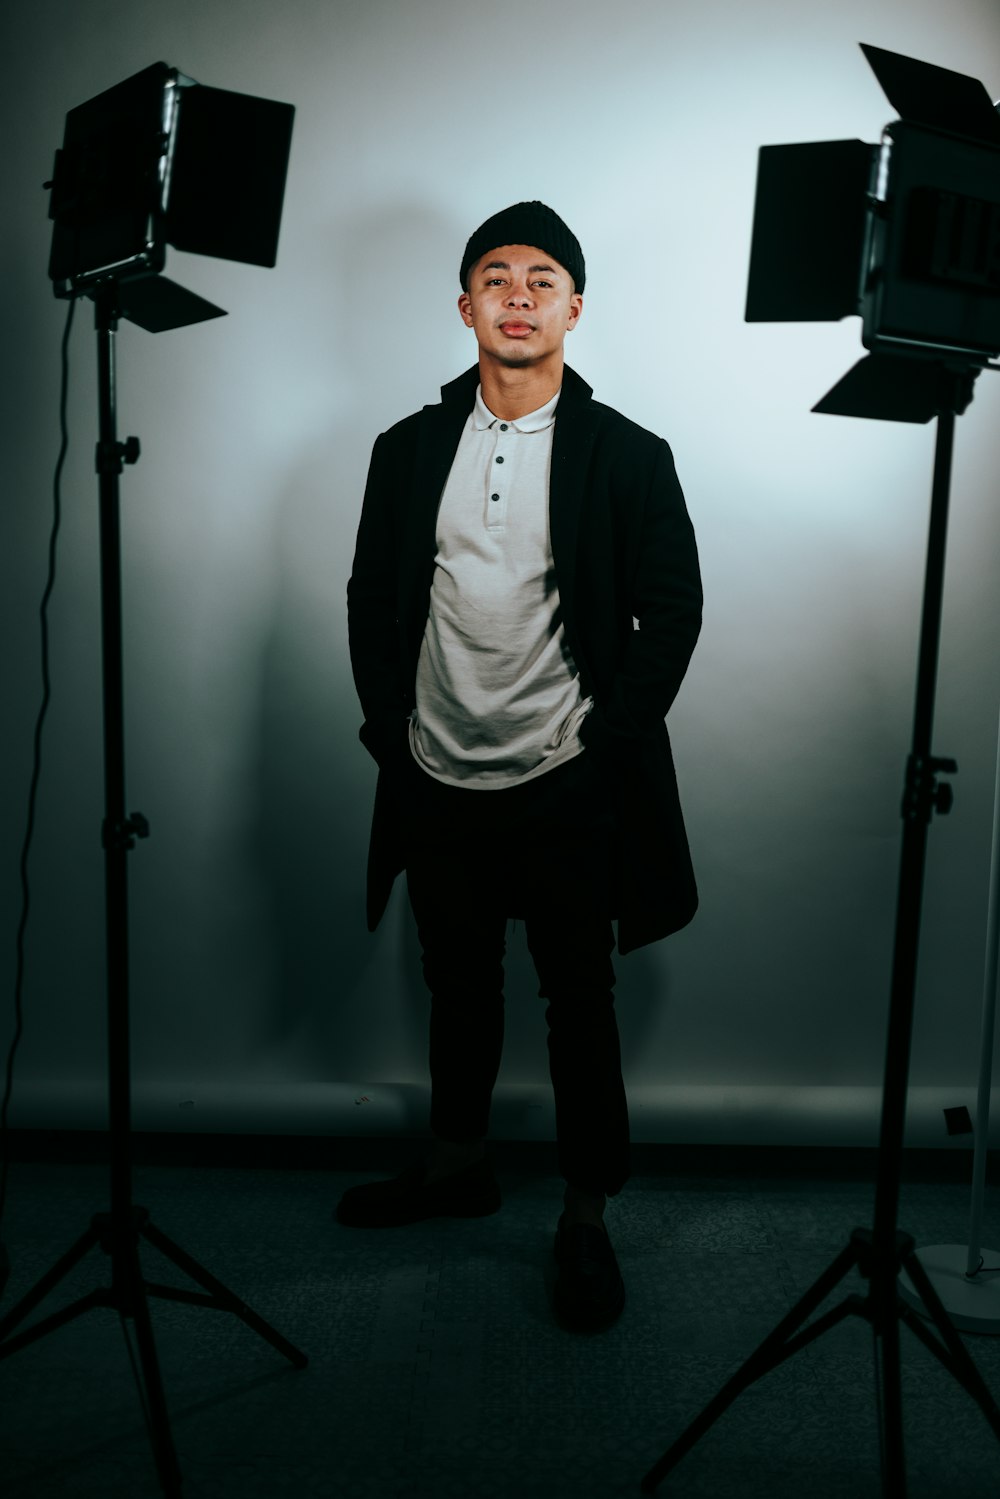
572	444
437	438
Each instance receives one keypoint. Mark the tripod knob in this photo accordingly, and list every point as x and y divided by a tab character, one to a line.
122	835
112	455
944	798
924	794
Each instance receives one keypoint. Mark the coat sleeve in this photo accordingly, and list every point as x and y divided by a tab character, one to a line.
662	590
373	614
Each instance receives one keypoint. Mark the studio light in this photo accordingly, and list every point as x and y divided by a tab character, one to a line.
162	160
905	234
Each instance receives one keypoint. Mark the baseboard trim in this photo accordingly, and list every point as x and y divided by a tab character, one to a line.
530	1157
681	1114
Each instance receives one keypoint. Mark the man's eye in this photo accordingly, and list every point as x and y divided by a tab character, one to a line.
544	283
495	281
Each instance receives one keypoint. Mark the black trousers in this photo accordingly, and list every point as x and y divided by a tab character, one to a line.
543	852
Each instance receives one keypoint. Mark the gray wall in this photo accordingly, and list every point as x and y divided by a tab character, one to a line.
259	999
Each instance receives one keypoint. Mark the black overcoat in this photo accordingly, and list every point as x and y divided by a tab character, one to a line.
630	590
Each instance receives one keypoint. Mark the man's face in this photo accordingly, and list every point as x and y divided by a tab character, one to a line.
521	304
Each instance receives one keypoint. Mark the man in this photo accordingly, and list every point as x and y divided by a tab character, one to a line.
510	539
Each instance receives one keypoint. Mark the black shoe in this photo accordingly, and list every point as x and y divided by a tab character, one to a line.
409	1197
589	1293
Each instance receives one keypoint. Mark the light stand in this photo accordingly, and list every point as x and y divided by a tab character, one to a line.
906	234
118	1231
880	1254
159	159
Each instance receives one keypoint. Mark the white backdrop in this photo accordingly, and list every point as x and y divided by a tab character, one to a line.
254	978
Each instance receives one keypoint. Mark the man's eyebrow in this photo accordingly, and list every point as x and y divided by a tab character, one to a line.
503	265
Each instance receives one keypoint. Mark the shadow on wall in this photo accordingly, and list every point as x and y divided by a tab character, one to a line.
338	992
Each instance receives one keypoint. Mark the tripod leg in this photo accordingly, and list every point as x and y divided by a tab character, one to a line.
888	1384
41	1289
764	1358
54	1320
160	1437
226	1298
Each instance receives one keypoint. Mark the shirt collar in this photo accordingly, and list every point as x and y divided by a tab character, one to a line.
532	421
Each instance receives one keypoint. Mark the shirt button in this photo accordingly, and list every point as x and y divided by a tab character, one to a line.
503	426
499	460
494	496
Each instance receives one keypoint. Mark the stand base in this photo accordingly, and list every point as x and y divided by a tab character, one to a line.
118	1235
972	1305
883	1308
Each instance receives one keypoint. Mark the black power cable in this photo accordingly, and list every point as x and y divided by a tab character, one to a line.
36	771
982	1269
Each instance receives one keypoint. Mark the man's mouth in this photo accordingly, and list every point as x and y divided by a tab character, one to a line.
516	329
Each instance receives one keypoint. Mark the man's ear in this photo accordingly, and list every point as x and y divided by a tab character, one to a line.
465	308
575	309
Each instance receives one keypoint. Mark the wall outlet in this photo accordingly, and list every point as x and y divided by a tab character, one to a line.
958	1121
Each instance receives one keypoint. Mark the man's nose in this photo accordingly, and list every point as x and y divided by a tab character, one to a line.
519	297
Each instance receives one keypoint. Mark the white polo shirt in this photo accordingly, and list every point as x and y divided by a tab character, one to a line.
498	693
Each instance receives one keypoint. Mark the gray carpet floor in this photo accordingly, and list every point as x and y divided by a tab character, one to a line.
436	1369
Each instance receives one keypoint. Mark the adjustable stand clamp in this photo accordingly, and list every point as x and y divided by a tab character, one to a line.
122	835
111	456
922	795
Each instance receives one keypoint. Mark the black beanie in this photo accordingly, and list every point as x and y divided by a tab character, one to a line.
526	224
